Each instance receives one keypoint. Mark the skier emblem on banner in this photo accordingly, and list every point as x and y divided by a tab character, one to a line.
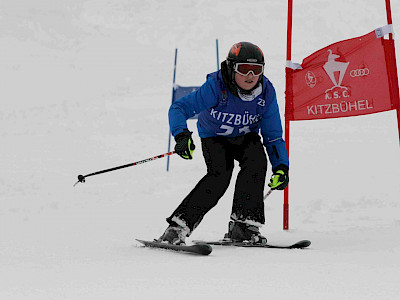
331	67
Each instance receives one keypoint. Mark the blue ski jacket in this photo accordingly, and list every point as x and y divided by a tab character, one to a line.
220	113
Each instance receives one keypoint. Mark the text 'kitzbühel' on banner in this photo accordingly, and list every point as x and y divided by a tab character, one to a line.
349	78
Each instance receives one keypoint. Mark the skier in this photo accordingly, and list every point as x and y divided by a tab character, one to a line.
233	105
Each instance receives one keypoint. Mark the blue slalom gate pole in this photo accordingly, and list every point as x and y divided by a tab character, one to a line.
216	42
173	99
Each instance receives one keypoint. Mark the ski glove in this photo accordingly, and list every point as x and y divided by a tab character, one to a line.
184	144
280	178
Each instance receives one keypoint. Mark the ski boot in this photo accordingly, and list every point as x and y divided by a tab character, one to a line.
243	232
174	234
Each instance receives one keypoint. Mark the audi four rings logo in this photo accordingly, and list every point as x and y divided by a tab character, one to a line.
359	72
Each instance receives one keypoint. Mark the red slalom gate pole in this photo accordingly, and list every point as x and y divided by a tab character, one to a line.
287	122
390	22
389	16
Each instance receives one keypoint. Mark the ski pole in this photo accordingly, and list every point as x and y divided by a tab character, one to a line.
267	194
81	178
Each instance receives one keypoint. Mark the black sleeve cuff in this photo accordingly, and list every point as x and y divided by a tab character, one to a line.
282	167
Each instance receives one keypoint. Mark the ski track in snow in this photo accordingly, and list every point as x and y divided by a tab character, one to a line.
86	85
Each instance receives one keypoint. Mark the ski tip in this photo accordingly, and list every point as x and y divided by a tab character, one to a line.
204	249
302	244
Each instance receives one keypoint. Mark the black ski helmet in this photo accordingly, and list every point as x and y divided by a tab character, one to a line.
243	52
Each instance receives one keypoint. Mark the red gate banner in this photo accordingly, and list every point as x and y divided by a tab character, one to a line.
349	78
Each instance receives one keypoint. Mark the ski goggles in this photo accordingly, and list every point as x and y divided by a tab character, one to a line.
245	69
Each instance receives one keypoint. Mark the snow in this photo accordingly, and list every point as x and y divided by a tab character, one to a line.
86	85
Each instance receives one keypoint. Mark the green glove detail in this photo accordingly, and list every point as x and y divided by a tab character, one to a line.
280	179
184	144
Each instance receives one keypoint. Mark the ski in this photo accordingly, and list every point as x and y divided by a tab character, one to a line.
299	245
198	248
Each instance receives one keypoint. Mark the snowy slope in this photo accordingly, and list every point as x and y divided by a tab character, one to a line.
86	85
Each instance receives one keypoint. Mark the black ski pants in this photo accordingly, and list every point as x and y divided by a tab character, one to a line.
220	154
